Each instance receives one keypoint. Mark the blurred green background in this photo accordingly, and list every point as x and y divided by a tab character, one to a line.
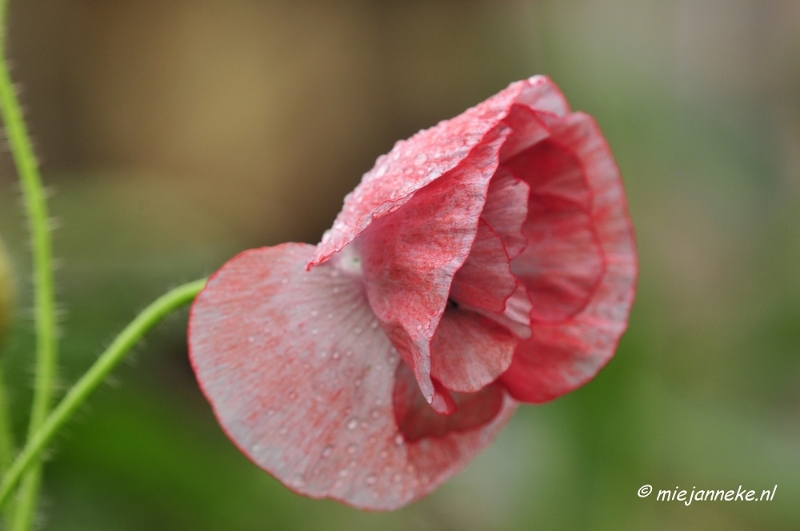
177	133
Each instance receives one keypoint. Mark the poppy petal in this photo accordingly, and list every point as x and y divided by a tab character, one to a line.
506	209
485	280
301	378
562	356
415	163
563	262
417	420
469	351
410	257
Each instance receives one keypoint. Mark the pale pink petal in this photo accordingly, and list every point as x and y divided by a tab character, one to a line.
506	209
563	262
410	257
301	378
485	280
469	351
562	356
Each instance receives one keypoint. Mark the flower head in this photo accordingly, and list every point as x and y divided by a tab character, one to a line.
485	261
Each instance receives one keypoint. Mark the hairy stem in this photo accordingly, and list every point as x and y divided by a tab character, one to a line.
76	396
44	299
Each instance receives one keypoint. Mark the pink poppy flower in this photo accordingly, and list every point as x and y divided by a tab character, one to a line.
485	261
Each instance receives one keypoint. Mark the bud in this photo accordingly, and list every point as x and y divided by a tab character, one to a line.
5	291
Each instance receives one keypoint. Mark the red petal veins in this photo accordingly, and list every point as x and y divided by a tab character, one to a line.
562	356
411	257
563	262
415	163
485	280
417	420
302	380
506	209
470	351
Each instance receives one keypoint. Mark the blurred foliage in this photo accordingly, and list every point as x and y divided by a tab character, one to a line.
179	133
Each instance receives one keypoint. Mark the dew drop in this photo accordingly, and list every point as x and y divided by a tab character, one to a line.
353	424
348	353
327	451
358	382
283	431
357	330
251	339
314	313
420	159
343	473
351	449
419	327
323	354
292	395
336	355
398	439
364	425
375	413
396	478
314	332
384	454
381	171
336	289
371	479
330	316
374	325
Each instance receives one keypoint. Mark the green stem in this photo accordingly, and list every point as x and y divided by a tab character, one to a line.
76	396
6	439
44	305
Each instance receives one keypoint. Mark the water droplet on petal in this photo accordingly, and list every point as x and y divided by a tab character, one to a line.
375	413
396	478
371	479
343	473
323	354
374	325
358	382
420	159
364	425
327	451
351	449
384	454
314	313
352	424
336	355
284	281
251	339
292	395
283	431
314	332
336	289
356	330
398	439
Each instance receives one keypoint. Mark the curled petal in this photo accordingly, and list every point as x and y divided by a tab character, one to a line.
417	420
561	356
469	351
485	280
506	209
422	159
301	378
563	262
410	257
